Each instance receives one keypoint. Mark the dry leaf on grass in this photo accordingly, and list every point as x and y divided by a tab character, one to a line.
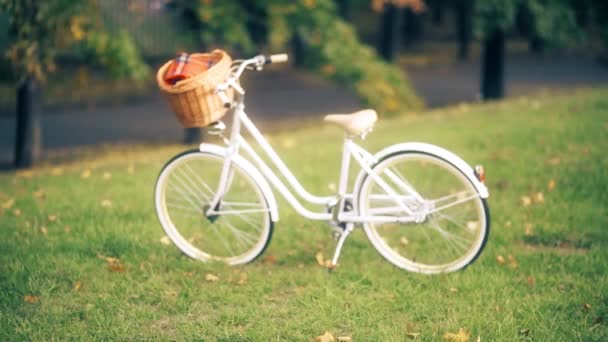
8	204
31	298
553	161
211	277
404	241
500	259
326	337
321	260
77	285
165	240
117	267
270	259
114	264
528	229
344	339
538	197
106	203
17	212
413	335
44	230
461	336
551	185
453	289
512	262
52	218
85	174
40	194
525	201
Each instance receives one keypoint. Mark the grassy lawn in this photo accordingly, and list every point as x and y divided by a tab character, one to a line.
82	255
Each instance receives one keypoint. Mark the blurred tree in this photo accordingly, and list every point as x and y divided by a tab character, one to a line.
553	21
464	26
327	44
38	32
391	23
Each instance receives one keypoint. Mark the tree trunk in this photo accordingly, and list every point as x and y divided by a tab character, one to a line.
28	137
344	7
492	66
389	32
437	8
298	49
464	18
193	136
412	27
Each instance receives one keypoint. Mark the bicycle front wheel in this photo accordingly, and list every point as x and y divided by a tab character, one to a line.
240	229
448	220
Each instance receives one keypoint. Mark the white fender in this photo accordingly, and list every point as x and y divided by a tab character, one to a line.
252	171
434	150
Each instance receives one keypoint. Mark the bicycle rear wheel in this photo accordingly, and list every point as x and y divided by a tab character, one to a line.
185	188
453	220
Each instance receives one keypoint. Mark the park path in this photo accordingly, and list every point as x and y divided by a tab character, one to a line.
282	93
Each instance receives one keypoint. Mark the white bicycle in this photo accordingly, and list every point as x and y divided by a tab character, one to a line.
422	207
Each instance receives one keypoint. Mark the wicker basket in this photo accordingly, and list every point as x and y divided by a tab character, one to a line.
193	100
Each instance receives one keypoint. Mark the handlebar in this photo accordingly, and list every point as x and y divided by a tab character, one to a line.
257	62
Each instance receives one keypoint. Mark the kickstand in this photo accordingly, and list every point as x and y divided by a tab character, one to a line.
345	233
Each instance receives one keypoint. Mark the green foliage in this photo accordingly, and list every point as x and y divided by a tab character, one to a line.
552	20
117	54
40	30
332	46
217	22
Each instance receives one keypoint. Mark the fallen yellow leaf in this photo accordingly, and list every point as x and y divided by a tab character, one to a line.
453	289
531	281
165	240
326	337
320	259
30	298
344	339
553	161
211	277
117	267
39	194
528	229
526	201
17	212
85	174
461	336
270	259
500	259
44	230
77	285
106	203
404	241
413	335
8	204
52	218
551	185
539	197
242	279
512	262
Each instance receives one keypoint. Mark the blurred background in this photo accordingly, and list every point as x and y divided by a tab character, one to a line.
77	73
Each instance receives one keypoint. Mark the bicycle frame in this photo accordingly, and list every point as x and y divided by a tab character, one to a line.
350	149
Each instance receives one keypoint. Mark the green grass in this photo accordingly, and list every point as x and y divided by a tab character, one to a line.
553	285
